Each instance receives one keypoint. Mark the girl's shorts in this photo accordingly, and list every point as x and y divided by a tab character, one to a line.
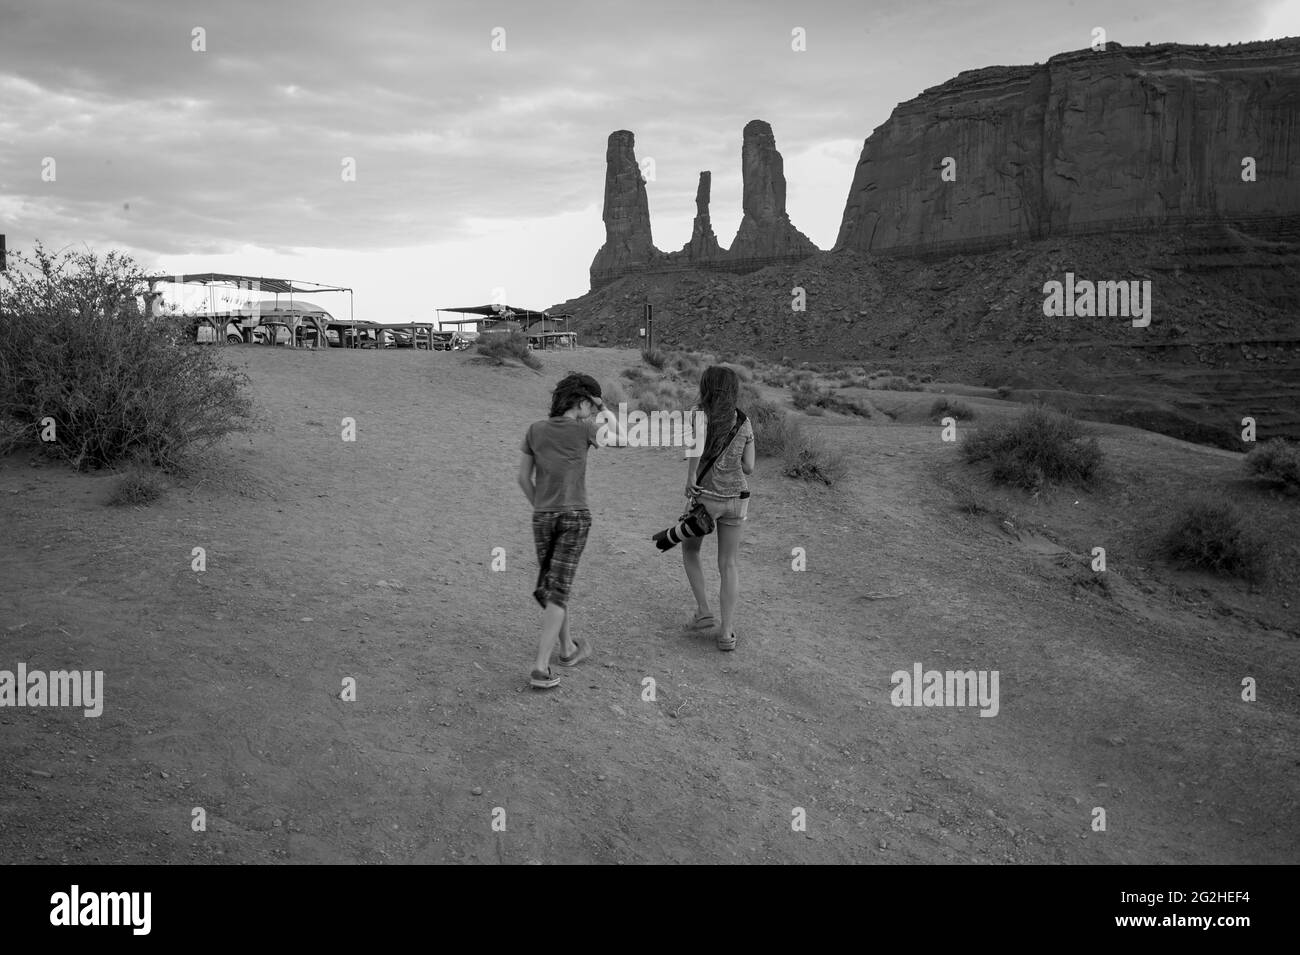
560	537
728	510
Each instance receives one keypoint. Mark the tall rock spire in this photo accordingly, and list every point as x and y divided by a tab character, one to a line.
704	244
627	210
765	230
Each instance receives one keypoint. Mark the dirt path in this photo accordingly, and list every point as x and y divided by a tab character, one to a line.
372	560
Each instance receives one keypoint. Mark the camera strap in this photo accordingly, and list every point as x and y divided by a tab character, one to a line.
740	420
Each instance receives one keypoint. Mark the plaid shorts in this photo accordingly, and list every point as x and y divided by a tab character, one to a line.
560	537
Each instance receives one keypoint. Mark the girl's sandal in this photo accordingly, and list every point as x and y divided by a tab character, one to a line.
727	643
707	622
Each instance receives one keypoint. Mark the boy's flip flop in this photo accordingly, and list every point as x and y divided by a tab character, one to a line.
543	681
702	623
727	643
580	654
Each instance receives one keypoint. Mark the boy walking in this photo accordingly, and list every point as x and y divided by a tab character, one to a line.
553	477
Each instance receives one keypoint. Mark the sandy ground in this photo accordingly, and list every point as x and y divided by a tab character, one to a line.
372	560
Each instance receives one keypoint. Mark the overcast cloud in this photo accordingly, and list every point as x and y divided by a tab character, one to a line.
475	169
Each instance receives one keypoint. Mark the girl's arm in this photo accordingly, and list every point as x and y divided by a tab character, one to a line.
526	476
747	459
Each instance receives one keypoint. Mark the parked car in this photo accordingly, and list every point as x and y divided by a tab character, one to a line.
206	334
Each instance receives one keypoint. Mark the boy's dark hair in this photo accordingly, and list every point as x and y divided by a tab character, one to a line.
571	390
719	390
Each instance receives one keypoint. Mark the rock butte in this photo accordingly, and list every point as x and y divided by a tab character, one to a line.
1092	141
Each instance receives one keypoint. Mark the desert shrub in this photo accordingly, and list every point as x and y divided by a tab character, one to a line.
1040	446
512	346
749	361
807	458
896	384
804	394
1004	391
612	394
661	395
634	374
816	401
119	381
654	358
947	408
774	430
743	373
1276	460
136	487
12	434
849	406
1212	535
686	364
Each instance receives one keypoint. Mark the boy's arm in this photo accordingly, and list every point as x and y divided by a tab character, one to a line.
610	432
695	431
526	476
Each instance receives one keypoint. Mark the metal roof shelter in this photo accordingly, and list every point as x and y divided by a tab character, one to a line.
490	314
254	284
250	283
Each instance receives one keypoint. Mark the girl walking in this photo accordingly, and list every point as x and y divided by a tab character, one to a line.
724	492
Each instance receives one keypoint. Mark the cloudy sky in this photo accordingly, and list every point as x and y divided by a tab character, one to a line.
476	169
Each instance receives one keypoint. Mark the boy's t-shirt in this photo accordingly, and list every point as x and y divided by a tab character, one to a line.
559	447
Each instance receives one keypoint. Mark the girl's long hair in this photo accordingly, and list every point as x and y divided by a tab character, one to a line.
571	390
719	391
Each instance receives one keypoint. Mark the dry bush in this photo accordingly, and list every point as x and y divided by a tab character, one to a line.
896	384
1277	460
807	458
948	408
76	347
512	346
1040	446
1211	534
137	487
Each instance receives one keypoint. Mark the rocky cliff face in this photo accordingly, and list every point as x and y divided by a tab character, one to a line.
627	210
766	234
1088	142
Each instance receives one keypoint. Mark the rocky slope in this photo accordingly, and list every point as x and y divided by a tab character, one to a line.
1224	339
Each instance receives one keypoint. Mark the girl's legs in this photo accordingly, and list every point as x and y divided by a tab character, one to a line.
695	574
729	570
